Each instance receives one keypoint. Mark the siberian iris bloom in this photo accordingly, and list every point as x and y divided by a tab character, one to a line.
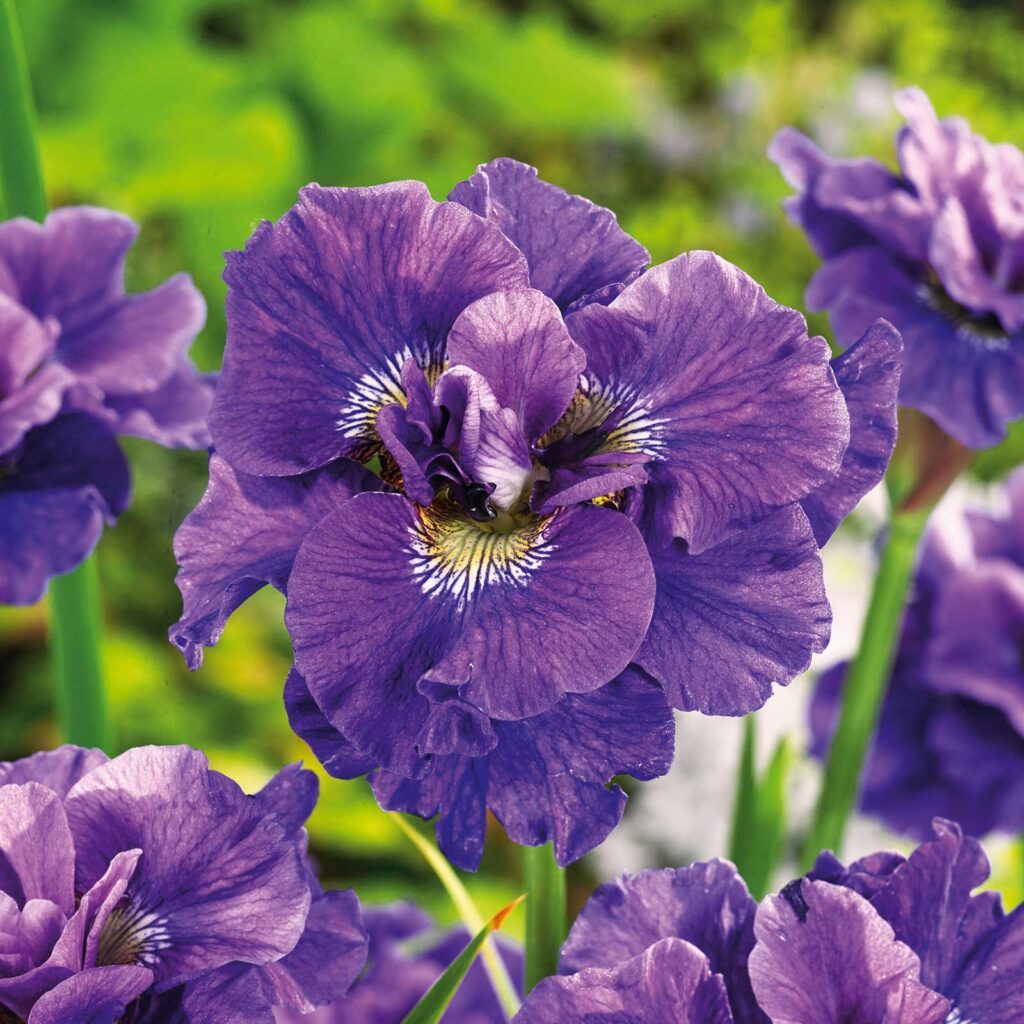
950	739
600	493
151	890
937	249
886	940
406	956
80	363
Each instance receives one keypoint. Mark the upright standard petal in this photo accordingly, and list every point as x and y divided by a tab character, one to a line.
707	905
219	880
735	407
739	617
37	854
244	534
65	480
928	902
519	343
824	954
868	374
573	247
388	599
670	983
325	307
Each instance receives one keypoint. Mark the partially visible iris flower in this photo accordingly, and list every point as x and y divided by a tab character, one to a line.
600	493
887	940
80	363
406	956
151	890
937	249
950	740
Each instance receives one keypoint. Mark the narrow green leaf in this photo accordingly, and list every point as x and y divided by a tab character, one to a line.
501	982
20	171
770	820
431	1007
744	809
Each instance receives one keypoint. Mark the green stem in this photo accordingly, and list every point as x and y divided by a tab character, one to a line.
21	174
546	925
865	686
74	599
75	642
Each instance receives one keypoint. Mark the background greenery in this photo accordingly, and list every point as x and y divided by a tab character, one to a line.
200	118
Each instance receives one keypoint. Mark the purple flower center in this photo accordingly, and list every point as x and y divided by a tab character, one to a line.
985	328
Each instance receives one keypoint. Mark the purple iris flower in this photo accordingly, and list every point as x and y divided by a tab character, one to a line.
951	735
150	889
80	363
600	492
406	956
886	940
936	248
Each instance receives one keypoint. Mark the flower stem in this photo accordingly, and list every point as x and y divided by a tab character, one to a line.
74	599
75	642
544	882
20	171
866	683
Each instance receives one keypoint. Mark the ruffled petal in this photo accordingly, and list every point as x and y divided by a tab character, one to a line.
69	477
969	381
990	987
868	374
245	533
96	996
573	247
843	204
57	770
172	415
732	621
388	599
670	983
327	959
37	854
927	900
824	954
707	904
324	309
332	750
734	406
138	343
220	881
547	778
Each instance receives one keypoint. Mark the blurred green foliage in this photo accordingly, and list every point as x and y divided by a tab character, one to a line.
199	118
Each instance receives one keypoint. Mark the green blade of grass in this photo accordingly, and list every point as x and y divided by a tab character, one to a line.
431	1007
501	982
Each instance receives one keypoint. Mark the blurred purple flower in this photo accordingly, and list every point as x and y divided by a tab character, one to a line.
887	940
151	889
950	741
643	481
937	249
80	362
406	957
